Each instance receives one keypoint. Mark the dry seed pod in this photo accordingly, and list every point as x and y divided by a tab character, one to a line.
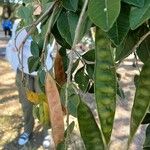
55	109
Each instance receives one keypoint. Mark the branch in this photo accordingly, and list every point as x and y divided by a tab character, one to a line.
77	32
50	24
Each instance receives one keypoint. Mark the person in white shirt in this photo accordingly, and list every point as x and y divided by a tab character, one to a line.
30	79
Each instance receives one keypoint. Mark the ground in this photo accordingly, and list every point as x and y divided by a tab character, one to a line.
11	114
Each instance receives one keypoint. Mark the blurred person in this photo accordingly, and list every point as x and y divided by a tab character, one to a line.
7	26
30	79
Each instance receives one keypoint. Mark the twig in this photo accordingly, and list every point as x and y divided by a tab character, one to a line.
50	24
77	32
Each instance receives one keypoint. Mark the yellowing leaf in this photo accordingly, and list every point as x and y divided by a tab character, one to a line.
32	96
46	113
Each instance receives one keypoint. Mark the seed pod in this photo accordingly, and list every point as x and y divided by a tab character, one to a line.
141	100
105	84
89	130
60	75
55	109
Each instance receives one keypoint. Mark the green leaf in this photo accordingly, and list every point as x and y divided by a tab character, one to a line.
35	49
45	23
26	14
105	84
138	3
73	99
69	128
143	50
71	5
41	86
73	104
89	130
33	63
66	24
146	145
85	26
125	49
121	27
89	55
139	15
59	38
90	70
141	101
41	76
82	79
104	13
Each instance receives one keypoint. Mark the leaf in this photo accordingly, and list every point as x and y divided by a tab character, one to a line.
34	49
138	3
104	13
41	76
85	26
71	5
143	50
125	49
121	27
32	97
55	109
105	84
70	128
141	101
89	130
82	79
73	104
89	55
90	70
41	113
73	99
139	15
45	23
46	114
66	24
59	38
26	14
33	64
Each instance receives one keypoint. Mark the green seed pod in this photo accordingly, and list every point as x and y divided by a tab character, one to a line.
105	84
141	100
89	130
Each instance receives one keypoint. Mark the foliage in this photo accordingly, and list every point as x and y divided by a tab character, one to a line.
120	28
